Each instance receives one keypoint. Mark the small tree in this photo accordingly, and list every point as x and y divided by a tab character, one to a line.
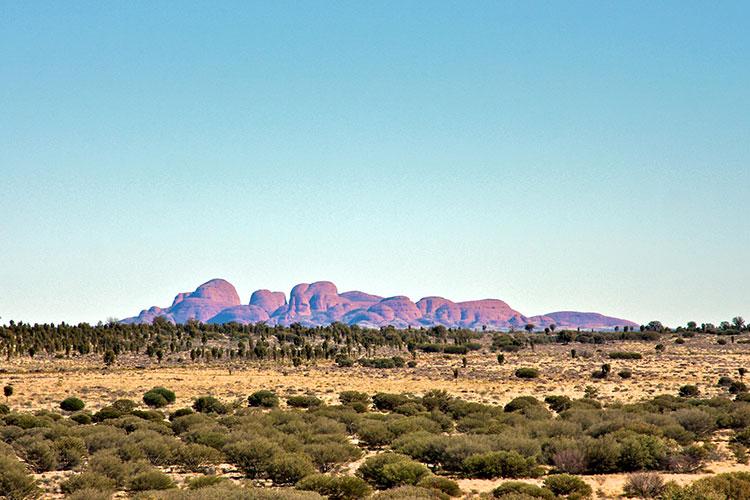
529	327
8	391
741	371
500	359
109	357
72	404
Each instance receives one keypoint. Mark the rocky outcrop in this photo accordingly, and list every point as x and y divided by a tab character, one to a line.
320	303
575	319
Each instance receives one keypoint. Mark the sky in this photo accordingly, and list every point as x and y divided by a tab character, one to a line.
577	155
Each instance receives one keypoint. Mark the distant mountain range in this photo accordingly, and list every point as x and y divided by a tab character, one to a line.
320	303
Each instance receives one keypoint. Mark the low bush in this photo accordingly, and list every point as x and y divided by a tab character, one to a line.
520	490
567	485
689	391
505	464
253	458
199	482
335	487
263	399
558	403
303	402
70	452
625	374
194	457
209	404
155	400
527	373
87	480
153	479
383	363
15	481
72	404
644	485
410	493
288	468
625	355
447	486
388	470
81	418
350	397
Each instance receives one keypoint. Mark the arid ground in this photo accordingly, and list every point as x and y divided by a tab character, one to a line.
41	383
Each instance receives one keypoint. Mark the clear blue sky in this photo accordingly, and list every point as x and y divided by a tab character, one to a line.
562	155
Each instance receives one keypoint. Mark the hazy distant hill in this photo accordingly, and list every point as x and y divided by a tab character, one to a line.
321	303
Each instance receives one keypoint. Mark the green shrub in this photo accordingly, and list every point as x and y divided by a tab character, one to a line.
70	452
90	494
195	456
155	400
388	402
521	491
374	433
350	397
558	403
199	482
625	355
527	373
625	374
166	393
180	413
689	391
288	468
521	403
263	399
344	361
387	470
72	404
335	487
410	493
109	464
106	413
447	486
644	485
729	485
153	479
15	482
87	480
496	464
326	455
4	409
81	418
304	402
124	405
209	404
567	485
252	457
39	454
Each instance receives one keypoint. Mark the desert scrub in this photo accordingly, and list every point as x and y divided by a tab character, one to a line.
336	487
15	481
72	404
566	485
527	373
153	479
520	490
443	484
303	402
505	464
625	355
209	404
88	480
263	399
388	470
644	485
